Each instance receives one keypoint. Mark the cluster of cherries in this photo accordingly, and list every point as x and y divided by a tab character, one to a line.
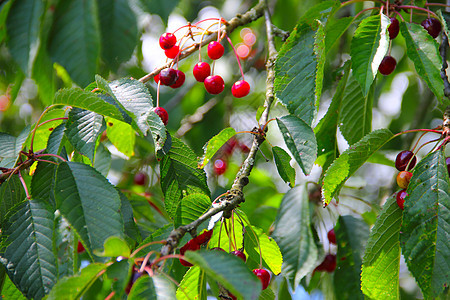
202	71
329	262
220	164
388	64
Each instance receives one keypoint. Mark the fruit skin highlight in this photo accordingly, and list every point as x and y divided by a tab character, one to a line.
240	89
167	40
403	158
214	84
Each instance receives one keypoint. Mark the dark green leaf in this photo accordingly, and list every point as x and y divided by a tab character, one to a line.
381	265
180	176
295	73
423	50
300	140
215	143
229	270
282	161
161	8
11	194
43	74
424	233
5	6
75	39
370	44
102	161
294	237
82	130
143	289
23	25
351	237
11	146
89	202
334	29
350	161
191	208
42	183
193	285
55	140
131	229
320	12
27	249
320	51
119	273
119	31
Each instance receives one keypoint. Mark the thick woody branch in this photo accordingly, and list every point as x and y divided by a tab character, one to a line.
236	196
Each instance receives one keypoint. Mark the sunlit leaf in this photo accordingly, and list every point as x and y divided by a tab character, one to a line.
215	143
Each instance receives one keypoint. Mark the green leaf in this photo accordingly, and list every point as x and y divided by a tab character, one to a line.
73	287
11	194
102	160
300	140
43	182
5	6
381	264
27	248
89	202
423	50
22	26
180	176
295	73
282	161
143	289
267	294
193	285
229	270
165	289
369	45
56	139
10	291
131	230
159	133
89	101
350	161
120	273
320	51
215	143
424	232
83	129
44	131
351	237
191	208
119	31
43	73
294	236
75	39
11	146
320	11
114	247
356	112
161	8
334	29
270	251
121	135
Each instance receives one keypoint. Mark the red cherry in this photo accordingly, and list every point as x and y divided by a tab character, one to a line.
239	254
403	179
403	158
172	52
264	276
80	247
331	236
220	166
180	80
168	76
328	264
167	40
191	245
215	50
156	78
214	84
240	89
204	237
140	178
162	113
233	297
218	249
393	28
387	65
230	145
433	26
201	71
401	198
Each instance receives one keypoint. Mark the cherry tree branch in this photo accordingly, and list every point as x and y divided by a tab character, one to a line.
235	195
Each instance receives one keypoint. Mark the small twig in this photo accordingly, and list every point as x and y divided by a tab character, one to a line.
280	33
443	51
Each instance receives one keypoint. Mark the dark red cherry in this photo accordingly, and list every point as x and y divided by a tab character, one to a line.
401	198
140	178
80	247
180	80
214	84
433	26
168	76
167	40
328	264
239	254
191	245
204	237
215	50
172	52
240	89
393	28
331	236
220	166
387	65
162	113
447	161
264	276
403	158
201	71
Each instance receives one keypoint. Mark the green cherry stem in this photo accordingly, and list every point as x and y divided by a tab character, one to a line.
144	246
256	238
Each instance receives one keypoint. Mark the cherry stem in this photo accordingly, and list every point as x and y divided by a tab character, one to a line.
267	123
167	257
220	232
437	4
24	186
37	123
47	161
418	140
144	262
446	140
233	230
230	241
364	10
50	154
220	196
257	240
146	245
218	30
157	92
237	57
356	1
417	130
417	8
400	15
111	295
55	119
426	143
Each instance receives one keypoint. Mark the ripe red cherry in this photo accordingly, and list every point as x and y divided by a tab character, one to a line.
167	40
393	28
80	247
239	254
180	80
172	52
140	178
220	166
240	89
331	236
162	113
447	161
264	276
156	78
215	50
168	76
204	237
214	84
403	158
218	249
403	179
387	65
328	264
401	198
433	26
201	71
191	245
